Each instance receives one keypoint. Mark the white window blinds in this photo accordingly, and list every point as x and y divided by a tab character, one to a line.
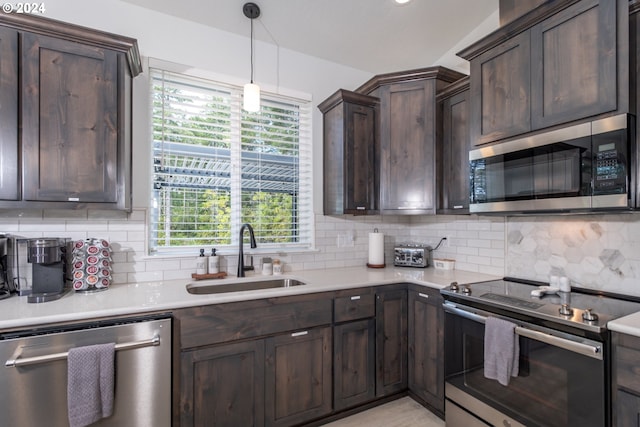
217	167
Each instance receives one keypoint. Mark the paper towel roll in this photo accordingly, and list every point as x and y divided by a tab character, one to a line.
376	249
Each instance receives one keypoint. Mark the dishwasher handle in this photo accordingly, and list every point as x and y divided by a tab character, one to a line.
17	361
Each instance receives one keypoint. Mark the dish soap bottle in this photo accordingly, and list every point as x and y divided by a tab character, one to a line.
201	263
214	262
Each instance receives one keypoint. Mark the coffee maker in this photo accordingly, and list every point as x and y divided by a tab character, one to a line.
6	281
42	268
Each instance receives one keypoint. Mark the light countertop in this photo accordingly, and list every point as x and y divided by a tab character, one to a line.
138	298
627	325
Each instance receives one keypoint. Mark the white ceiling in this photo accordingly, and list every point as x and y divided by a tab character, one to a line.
377	36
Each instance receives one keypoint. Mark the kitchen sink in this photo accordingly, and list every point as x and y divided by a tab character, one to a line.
254	285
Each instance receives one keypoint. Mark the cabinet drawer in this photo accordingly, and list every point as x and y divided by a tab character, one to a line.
354	307
218	323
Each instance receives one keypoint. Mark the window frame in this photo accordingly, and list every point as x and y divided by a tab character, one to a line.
305	216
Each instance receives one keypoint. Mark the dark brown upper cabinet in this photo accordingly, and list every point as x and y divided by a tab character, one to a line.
74	114
350	154
453	149
561	62
10	188
407	127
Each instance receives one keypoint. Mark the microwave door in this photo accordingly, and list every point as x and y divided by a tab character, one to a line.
558	172
519	176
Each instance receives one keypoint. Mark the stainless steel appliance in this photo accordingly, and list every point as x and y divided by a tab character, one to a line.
33	382
42	267
411	255
579	168
564	360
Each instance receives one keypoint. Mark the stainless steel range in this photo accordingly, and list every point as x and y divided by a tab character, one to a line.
564	368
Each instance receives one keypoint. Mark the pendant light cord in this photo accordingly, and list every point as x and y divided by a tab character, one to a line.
251	50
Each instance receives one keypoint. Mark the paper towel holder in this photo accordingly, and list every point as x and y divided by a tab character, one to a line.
372	265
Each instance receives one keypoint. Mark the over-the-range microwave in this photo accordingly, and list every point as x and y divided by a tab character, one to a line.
581	168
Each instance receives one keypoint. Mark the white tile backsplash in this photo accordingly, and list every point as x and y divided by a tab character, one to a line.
595	251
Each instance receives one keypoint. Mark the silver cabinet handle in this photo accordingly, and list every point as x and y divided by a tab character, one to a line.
355	298
457	206
423	295
299	334
17	362
361	208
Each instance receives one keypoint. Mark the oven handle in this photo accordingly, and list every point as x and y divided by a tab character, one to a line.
593	351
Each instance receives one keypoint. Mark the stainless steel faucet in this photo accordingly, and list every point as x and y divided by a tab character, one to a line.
241	267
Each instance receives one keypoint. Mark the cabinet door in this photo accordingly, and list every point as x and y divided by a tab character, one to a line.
407	148
627	411
350	153
298	377
426	347
455	154
10	174
223	385
354	363
500	91
70	121
574	61
360	159
391	341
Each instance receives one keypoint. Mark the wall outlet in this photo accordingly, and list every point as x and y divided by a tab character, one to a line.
345	240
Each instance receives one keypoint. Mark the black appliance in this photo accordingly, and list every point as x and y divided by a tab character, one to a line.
6	287
564	360
585	167
42	268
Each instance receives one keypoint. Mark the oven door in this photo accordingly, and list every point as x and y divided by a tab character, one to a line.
561	380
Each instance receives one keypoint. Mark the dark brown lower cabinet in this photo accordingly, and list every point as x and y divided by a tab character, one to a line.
244	364
626	380
426	347
298	376
223	385
391	340
627	410
354	363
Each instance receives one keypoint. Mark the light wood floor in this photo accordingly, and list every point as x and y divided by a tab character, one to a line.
404	412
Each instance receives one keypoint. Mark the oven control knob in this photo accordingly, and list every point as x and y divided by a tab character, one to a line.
565	310
454	287
589	315
465	290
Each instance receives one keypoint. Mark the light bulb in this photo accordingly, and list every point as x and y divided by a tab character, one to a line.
251	98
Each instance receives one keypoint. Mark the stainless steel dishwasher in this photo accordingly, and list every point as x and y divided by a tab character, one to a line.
33	382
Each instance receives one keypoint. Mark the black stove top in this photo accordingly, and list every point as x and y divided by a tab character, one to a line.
580	309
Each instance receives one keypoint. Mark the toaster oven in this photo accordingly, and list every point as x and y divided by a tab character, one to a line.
411	255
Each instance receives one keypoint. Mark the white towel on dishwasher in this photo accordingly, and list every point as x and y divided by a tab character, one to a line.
501	350
90	383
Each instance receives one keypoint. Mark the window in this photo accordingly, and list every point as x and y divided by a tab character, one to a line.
217	167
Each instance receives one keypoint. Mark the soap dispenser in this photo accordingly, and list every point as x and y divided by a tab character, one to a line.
201	263
214	262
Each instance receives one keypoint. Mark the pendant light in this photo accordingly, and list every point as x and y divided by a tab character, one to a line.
251	98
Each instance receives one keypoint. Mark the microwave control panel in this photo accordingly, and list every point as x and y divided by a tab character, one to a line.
610	169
